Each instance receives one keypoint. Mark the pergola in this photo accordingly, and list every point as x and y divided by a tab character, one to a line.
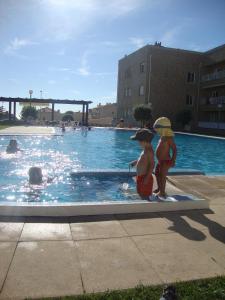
13	101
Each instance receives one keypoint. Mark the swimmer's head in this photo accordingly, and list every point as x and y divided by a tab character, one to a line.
35	175
163	127
13	143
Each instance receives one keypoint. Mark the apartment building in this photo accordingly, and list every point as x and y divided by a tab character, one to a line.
211	112
170	80
103	115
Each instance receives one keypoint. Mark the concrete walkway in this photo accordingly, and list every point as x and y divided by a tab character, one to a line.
27	130
54	257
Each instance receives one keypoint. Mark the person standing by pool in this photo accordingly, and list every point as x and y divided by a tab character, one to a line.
145	163
165	161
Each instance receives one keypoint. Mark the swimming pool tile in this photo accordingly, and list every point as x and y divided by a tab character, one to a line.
113	264
96	230
6	255
45	232
10	231
43	269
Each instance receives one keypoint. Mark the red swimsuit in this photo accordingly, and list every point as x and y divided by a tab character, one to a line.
144	190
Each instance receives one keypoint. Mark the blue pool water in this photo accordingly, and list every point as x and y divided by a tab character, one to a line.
95	149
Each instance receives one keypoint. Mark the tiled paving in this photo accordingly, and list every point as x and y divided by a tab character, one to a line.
54	257
27	130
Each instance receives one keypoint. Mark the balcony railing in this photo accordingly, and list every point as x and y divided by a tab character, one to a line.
213	76
213	100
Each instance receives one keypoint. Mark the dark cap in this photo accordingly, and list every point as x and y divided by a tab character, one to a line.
143	135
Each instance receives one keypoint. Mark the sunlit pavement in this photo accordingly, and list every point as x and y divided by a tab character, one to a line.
27	130
54	257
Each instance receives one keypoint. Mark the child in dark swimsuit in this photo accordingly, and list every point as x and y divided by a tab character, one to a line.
145	163
165	161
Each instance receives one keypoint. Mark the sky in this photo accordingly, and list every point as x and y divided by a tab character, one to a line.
70	49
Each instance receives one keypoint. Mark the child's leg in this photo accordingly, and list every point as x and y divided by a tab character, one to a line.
157	176
162	178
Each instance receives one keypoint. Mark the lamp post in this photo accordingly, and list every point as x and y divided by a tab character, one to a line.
30	92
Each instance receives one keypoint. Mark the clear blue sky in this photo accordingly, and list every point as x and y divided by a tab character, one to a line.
70	48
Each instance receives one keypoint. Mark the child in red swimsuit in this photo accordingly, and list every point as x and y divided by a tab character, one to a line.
145	163
165	161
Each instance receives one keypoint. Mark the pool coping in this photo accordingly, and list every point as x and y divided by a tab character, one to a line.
99	208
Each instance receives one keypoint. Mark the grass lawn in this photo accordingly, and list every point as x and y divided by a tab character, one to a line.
207	289
4	126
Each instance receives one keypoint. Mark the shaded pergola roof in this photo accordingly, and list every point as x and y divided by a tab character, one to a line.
42	101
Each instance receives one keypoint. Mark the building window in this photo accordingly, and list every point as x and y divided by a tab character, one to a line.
189	100
191	77
214	94
127	92
128	73
142	67
141	90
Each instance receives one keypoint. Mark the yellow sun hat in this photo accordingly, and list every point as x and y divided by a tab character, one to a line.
163	127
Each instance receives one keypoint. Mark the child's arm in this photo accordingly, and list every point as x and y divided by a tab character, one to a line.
133	163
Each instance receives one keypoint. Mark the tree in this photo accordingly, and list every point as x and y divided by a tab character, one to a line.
29	112
67	117
184	117
143	114
69	112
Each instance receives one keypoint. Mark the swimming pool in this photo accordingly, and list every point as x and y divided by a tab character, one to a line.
95	149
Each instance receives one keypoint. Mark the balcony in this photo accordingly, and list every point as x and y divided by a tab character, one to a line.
213	79
213	103
213	76
213	100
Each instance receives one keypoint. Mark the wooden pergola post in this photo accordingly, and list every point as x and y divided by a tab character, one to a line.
86	122
53	110
14	110
10	110
83	115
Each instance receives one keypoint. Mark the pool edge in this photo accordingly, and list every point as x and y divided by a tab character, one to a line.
100	208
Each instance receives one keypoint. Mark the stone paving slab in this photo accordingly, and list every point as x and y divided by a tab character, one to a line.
6	255
45	231
10	231
96	230
176	259
27	130
141	224
113	264
214	247
43	269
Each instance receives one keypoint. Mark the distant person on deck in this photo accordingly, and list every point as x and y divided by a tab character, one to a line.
144	164
120	124
164	148
12	147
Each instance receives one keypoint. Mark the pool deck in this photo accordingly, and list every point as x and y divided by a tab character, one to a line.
27	130
66	256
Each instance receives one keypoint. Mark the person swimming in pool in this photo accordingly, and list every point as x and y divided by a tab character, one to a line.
12	147
165	161
144	164
36	176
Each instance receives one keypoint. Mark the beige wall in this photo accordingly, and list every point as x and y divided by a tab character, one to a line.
103	114
164	80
